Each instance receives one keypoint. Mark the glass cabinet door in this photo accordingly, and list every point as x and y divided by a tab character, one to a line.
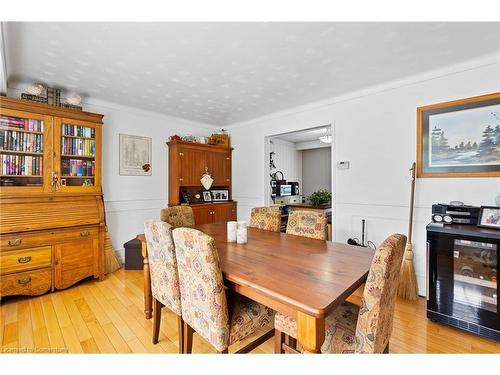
77	162
25	161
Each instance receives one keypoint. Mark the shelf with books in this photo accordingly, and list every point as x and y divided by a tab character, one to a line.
2	127
78	156
78	176
77	137
20	152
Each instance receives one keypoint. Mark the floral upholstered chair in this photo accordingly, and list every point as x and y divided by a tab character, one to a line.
220	317
178	216
366	328
307	224
267	218
164	275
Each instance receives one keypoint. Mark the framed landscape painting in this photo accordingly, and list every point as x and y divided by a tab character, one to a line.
459	138
135	155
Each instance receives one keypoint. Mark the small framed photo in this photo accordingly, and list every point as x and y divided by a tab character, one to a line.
63	182
207	197
220	195
489	217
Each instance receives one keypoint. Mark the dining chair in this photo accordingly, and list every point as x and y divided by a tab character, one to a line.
307	224
359	329
267	218
164	275
220	317
178	216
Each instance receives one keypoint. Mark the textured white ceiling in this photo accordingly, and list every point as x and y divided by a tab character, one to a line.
221	73
303	136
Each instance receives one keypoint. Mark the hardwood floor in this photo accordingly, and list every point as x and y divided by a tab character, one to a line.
107	317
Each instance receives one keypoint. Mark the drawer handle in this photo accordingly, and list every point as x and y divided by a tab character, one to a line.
85	233
181	179
24	280
15	242
24	259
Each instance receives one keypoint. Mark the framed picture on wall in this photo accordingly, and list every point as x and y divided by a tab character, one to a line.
459	138
135	155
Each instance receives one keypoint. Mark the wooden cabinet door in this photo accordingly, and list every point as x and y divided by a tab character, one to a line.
26	151
203	214
77	162
220	168
224	212
192	166
75	261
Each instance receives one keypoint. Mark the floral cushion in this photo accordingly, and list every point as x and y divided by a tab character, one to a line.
267	218
340	328
246	317
204	304
307	224
163	264
178	216
376	313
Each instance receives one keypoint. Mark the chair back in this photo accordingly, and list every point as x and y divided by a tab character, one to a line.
310	224
178	216
267	218
374	326
204	304
163	264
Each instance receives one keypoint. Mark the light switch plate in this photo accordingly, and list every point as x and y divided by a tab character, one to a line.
342	165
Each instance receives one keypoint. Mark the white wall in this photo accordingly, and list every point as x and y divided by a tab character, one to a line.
375	130
287	159
129	200
316	170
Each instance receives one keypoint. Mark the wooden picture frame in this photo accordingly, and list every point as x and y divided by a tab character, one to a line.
463	119
494	212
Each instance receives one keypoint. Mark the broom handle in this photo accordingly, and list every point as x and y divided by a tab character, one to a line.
412	196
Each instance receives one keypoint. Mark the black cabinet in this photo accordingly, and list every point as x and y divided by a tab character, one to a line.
462	280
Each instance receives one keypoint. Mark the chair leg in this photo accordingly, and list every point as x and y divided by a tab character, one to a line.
156	320
279	340
292	342
386	350
180	333
188	339
225	351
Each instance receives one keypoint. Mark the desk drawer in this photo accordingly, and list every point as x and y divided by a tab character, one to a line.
45	238
24	260
30	283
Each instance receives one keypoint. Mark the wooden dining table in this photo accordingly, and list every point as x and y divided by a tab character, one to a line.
301	277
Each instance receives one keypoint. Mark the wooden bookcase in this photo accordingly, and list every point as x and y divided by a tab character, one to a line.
187	163
51	221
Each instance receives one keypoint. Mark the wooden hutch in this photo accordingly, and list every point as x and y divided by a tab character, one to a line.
51	214
188	162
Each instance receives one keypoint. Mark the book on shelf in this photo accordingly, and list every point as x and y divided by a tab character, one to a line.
78	147
78	168
22	123
11	140
78	131
21	165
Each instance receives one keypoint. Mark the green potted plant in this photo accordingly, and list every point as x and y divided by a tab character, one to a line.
320	196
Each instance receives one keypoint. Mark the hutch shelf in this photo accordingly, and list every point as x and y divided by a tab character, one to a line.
187	163
52	214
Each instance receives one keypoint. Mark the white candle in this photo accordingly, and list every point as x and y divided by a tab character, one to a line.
241	235
242	224
232	227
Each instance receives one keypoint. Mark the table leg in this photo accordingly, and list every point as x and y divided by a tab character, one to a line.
148	298
310	332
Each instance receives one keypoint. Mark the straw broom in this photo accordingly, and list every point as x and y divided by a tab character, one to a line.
407	287
112	263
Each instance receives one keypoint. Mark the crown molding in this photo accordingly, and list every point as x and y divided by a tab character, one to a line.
131	109
482	61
